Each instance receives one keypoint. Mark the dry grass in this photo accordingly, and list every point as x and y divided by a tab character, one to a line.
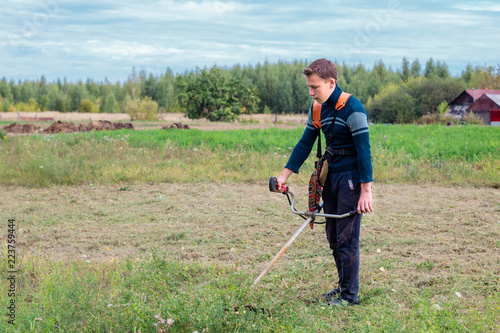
425	235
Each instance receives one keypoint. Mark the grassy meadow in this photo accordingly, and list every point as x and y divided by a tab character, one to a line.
467	155
165	231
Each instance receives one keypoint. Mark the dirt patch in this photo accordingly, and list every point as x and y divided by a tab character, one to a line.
21	128
166	121
100	125
67	127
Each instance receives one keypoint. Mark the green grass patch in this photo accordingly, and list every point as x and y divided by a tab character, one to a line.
460	155
469	143
155	294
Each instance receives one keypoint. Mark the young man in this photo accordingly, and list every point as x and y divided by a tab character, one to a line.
348	184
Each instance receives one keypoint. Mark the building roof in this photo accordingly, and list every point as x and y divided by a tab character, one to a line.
468	96
485	103
477	93
494	98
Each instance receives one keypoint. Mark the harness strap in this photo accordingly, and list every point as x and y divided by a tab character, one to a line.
316	121
316	115
330	153
341	102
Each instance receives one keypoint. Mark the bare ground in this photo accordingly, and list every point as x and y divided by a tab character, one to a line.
256	121
424	233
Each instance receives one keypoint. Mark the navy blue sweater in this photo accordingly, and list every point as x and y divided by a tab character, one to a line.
350	131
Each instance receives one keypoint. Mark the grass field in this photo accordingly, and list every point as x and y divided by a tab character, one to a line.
122	231
467	155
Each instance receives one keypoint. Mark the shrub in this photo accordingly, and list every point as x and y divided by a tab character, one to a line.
472	119
392	105
145	109
430	119
86	106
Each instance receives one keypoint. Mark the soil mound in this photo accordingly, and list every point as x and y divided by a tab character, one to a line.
104	125
176	125
67	127
21	128
118	126
60	127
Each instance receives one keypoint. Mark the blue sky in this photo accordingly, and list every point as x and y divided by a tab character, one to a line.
106	38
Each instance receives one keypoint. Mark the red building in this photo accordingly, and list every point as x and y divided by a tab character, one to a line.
488	108
483	102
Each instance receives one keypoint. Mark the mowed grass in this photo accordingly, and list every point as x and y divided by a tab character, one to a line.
113	258
459	155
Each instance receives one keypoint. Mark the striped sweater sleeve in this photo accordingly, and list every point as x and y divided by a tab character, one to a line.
358	124
303	148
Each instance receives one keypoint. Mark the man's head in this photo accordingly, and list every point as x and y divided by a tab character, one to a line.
321	77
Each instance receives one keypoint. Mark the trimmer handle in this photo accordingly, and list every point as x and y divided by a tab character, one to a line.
274	187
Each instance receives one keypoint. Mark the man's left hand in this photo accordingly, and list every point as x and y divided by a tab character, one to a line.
365	199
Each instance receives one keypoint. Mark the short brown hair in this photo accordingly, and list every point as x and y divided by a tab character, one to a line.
323	68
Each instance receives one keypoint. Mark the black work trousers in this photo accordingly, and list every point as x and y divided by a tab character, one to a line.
341	195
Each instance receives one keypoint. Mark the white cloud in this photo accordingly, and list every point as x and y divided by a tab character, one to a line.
108	37
479	6
118	50
173	11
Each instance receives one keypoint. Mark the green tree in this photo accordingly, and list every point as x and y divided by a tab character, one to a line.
44	102
359	82
210	94
429	68
93	90
133	84
75	94
15	90
467	75
6	104
428	93
485	78
55	100
5	90
41	89
165	93
415	68
405	70
149	85
60	105
392	105
109	103
25	91
441	70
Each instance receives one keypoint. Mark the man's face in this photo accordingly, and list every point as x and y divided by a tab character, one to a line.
320	89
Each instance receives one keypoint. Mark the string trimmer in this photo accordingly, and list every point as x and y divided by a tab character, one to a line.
309	217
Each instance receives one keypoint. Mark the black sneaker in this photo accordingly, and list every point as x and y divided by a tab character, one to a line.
331	294
341	302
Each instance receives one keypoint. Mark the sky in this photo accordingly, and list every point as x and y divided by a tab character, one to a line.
105	39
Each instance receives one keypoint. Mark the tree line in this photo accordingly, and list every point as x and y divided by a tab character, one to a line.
223	93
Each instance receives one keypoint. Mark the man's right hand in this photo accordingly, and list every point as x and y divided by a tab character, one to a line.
283	178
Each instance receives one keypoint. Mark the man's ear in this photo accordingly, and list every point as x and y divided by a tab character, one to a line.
332	82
